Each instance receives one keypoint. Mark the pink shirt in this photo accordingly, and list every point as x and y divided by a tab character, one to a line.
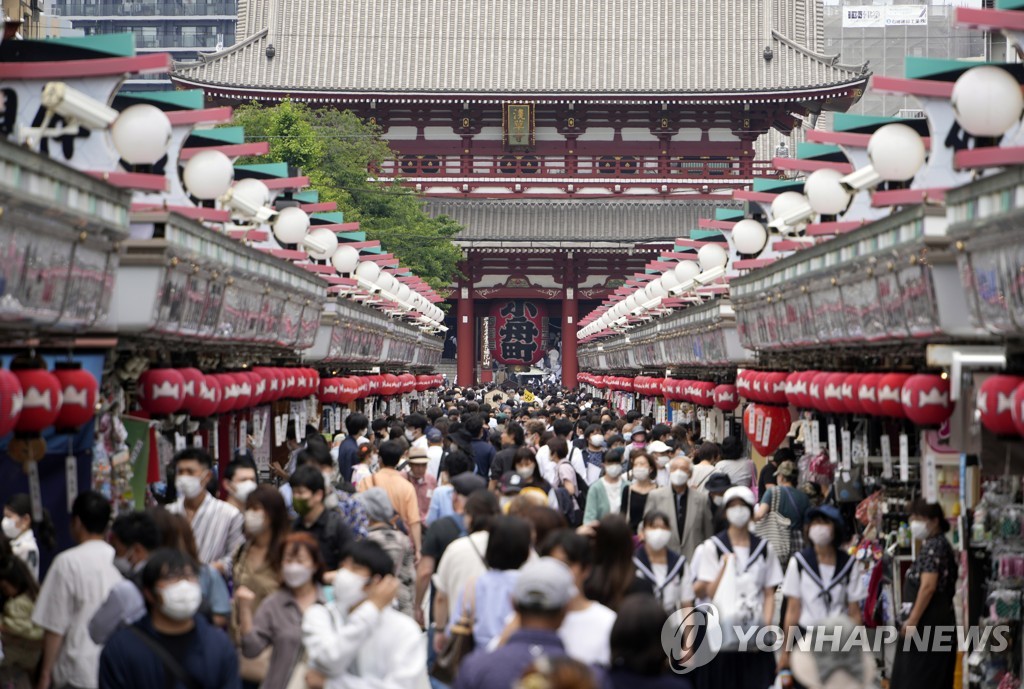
424	491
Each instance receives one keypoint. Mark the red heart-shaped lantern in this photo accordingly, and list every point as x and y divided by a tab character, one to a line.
767	426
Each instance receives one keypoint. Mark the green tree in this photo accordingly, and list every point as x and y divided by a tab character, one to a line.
335	149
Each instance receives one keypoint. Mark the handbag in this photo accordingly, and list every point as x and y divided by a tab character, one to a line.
255	669
460	644
774	527
298	678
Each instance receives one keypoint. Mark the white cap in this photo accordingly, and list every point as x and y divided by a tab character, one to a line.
658	447
741	492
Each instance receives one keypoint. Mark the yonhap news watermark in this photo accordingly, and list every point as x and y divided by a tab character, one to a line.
692	637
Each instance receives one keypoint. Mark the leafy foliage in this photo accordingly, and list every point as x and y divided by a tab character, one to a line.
335	149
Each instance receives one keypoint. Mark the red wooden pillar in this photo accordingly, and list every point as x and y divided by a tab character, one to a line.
465	334
570	318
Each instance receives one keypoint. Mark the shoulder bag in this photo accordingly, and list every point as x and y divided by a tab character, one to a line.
460	641
775	528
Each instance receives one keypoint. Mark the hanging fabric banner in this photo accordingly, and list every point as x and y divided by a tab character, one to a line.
518	332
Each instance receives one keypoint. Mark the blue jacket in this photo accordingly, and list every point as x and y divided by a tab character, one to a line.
205	653
348	455
483	455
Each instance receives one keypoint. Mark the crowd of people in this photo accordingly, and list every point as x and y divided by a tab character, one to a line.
473	544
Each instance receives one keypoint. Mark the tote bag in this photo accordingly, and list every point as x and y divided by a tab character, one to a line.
774	527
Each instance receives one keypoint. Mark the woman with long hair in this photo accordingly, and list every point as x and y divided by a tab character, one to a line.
641	483
613	576
22	639
24	534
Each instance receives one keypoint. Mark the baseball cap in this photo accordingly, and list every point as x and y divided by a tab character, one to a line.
418	455
741	492
511	483
658	446
544	585
433	435
468	482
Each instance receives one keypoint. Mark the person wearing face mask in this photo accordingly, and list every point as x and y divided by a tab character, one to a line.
528	470
715	486
239	481
326	525
172	645
75	586
639	486
395	543
216	525
360	639
21	532
822	580
593	454
687	510
340	500
134	536
257	567
275	624
749	599
660	454
605	495
415	431
928	590
422	482
666	570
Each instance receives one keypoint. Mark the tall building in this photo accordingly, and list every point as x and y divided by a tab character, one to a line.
574	140
184	28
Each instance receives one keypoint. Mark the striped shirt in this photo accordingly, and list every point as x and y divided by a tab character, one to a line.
217	527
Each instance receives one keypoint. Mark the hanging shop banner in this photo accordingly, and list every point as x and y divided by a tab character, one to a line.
518	332
879	17
130	469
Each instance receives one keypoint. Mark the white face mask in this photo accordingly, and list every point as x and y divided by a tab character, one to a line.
10	528
820	534
296	574
661	461
525	472
255	522
188	486
409	436
613	470
243	490
738	515
596	440
919	530
657	539
348	589
181	600
718	499
641	473
679	477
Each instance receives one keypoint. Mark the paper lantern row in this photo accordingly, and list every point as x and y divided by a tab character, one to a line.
34	399
351	388
699	392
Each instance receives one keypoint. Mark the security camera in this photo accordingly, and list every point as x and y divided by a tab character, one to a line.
858	180
76	108
371	287
683	287
710	275
246	209
797	217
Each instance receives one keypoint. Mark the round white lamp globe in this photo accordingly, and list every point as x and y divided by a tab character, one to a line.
749	236
345	259
824	192
141	134
987	101
368	271
320	244
896	152
658	288
403	293
787	202
208	175
712	256
386	281
686	270
290	225
669	280
252	191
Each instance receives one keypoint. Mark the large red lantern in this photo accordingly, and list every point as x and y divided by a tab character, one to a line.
259	387
79	391
390	386
816	387
41	400
726	397
867	394
773	387
330	390
743	383
161	391
408	383
657	387
244	387
850	390
206	399
832	394
796	389
1017	412
995	402
890	387
423	383
11	401
704	394
767	426
757	386
193	377
925	399
228	392
518	332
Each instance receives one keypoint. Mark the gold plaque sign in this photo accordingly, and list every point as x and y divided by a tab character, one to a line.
518	125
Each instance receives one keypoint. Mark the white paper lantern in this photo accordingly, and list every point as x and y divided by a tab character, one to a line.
987	101
896	152
824	192
208	175
141	134
712	256
345	259
320	244
749	236
368	271
290	225
686	270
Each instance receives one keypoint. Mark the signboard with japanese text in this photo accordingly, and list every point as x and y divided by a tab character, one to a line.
882	16
518	332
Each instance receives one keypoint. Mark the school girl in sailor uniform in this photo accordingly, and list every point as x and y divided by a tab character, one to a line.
739	573
667	570
822	580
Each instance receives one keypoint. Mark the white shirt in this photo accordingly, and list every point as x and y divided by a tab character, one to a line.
800	583
217	527
434	454
673	592
765	571
462	560
367	648
421	442
548	469
698	478
25	547
75	586
614	493
695	565
739	471
586	634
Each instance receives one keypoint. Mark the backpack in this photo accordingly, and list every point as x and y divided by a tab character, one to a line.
582	487
568	507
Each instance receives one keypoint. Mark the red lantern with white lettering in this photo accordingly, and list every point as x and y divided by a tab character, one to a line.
705	396
228	392
816	387
890	388
259	387
79	391
995	402
423	383
1017	412
161	391
41	400
743	383
796	389
330	390
850	389
11	400
206	398
244	387
925	399
757	386
867	394
767	426
773	387
726	397
832	395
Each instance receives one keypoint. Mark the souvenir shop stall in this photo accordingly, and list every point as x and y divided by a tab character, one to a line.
878	308
157	294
